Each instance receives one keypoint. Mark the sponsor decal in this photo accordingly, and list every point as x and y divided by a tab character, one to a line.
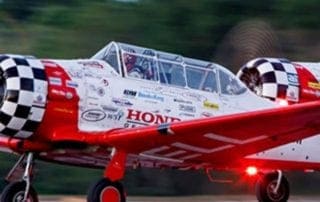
92	98
210	105
101	92
150	101
39	100
105	82
292	96
293	79
76	74
150	96
55	81
130	93
109	108
93	115
72	84
90	75
94	64
182	101
194	96
57	73
187	108
122	102
206	114
94	104
187	115
115	116
130	125
314	85
63	110
69	95
312	92
146	118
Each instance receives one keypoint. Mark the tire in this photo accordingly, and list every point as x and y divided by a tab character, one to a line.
106	191
14	192
265	185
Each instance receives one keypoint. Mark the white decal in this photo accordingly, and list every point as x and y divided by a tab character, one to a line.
232	140
200	149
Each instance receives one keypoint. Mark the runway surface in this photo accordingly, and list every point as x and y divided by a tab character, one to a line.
220	198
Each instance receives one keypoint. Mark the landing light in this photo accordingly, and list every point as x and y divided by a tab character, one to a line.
251	170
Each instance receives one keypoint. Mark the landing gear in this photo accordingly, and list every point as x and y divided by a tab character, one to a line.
15	192
109	189
20	191
106	191
272	187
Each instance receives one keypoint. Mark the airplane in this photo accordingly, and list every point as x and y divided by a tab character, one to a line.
135	107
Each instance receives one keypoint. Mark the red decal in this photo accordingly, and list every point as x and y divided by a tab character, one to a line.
149	118
307	93
62	102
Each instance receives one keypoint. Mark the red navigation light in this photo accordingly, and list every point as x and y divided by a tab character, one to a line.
251	170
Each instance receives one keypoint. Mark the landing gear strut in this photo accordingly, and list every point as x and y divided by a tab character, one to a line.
21	191
273	187
109	189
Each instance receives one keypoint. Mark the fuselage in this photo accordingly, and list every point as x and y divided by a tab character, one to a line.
104	100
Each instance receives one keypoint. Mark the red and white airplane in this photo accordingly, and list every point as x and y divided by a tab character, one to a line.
130	106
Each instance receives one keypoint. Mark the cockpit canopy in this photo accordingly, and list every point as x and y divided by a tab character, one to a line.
166	68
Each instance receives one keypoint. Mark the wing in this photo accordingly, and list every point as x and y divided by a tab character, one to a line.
216	140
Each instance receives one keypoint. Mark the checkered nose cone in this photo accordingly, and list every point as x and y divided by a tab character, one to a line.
23	94
271	78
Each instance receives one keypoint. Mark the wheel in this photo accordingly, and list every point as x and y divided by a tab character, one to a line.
14	192
265	186
106	191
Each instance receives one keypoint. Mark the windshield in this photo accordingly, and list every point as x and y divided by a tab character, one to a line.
229	84
171	69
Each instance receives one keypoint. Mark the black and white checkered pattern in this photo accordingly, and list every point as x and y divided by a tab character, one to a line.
279	77
25	94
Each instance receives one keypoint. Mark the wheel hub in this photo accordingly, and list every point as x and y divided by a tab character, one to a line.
110	194
273	194
18	197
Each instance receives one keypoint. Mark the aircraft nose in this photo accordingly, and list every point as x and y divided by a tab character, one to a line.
22	82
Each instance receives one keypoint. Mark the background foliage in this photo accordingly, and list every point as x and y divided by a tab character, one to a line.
226	31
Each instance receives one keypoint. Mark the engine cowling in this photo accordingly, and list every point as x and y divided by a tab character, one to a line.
23	95
279	79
